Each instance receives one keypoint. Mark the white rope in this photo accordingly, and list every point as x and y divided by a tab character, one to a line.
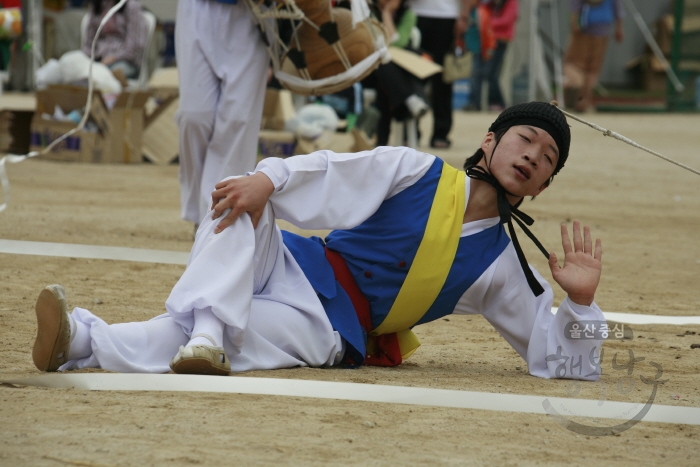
619	137
15	158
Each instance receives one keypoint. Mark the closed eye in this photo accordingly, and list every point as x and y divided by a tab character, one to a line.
525	138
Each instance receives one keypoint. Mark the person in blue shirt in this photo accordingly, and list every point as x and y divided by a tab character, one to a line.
591	24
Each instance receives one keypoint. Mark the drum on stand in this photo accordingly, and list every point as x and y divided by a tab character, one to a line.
328	48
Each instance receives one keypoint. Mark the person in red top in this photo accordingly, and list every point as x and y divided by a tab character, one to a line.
481	42
504	14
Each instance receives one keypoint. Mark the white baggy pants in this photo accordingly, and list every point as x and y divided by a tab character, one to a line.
222	67
251	282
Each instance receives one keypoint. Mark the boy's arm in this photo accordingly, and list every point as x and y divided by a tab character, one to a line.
580	275
542	339
321	190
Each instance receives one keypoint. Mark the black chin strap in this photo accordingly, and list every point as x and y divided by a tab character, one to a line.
507	212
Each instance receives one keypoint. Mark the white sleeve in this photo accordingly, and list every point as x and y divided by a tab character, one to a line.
504	298
326	190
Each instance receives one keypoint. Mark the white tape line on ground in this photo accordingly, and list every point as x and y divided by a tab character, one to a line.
362	392
69	250
634	318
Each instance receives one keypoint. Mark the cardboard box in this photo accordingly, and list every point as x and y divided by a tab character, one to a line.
5	135
414	63
119	138
160	135
16	113
664	34
126	127
276	143
277	109
82	146
160	138
650	73
14	131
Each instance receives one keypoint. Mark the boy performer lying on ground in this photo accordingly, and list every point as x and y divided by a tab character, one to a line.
415	240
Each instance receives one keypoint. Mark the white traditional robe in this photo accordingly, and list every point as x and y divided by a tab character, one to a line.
222	66
274	318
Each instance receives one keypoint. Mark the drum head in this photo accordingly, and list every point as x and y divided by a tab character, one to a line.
327	71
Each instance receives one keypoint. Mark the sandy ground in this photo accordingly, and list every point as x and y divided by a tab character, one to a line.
645	210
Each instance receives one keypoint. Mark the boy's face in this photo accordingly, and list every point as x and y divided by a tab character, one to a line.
525	159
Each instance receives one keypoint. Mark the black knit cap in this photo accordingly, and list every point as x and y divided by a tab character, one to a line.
541	115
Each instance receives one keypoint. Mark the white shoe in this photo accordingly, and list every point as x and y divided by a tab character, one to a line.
201	359
417	106
53	329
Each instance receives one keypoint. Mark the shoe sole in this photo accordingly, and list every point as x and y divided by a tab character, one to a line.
53	332
198	366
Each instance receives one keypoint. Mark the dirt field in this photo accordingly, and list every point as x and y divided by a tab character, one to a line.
645	210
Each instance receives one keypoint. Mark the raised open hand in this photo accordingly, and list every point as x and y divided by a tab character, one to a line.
242	194
580	275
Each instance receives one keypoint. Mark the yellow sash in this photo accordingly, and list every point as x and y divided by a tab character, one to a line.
432	263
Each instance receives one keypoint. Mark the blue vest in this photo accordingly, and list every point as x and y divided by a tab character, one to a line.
379	253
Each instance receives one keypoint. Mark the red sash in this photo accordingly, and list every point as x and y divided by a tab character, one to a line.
381	350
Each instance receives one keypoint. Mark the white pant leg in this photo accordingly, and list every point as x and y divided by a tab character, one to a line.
148	347
199	95
141	347
242	68
240	272
219	274
222	65
282	336
251	282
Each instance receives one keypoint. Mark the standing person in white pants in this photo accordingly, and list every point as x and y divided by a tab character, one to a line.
440	22
222	64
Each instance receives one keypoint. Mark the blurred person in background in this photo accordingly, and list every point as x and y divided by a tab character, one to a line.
480	42
591	24
504	15
122	40
440	23
222	68
400	94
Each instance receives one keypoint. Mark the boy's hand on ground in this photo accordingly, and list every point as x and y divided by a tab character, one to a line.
580	275
242	194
